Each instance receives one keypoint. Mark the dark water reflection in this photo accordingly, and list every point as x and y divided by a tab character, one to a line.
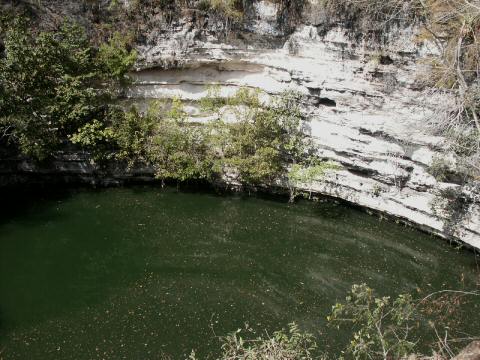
136	272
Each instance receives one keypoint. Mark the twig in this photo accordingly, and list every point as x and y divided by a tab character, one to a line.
473	293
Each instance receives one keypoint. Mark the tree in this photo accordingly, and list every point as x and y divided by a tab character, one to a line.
50	85
179	150
46	84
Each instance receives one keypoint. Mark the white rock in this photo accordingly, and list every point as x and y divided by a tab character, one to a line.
375	131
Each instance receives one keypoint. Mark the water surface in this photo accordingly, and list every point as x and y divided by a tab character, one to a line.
133	273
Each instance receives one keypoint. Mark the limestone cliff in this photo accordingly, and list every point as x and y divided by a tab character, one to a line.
365	109
363	104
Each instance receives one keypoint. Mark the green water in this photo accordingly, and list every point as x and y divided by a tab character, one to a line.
134	273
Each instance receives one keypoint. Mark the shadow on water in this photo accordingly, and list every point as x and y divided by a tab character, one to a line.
59	269
137	269
22	202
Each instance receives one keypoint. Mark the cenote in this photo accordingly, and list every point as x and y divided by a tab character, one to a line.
141	272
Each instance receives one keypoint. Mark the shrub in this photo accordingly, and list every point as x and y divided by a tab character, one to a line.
230	12
114	59
372	17
133	132
381	328
283	345
257	148
49	85
213	101
452	205
453	27
265	137
306	174
440	169
97	138
180	150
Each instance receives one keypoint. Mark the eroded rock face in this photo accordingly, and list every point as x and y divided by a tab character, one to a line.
365	109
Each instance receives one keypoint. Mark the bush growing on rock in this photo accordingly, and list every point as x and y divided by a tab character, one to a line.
133	132
179	150
304	175
453	27
265	138
96	138
229	9
255	149
114	58
373	16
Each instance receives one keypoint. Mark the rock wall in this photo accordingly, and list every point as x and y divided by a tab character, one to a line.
364	107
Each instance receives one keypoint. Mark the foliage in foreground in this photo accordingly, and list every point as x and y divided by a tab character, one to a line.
380	328
283	345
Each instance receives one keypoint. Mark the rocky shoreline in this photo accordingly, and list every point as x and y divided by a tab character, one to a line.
76	169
